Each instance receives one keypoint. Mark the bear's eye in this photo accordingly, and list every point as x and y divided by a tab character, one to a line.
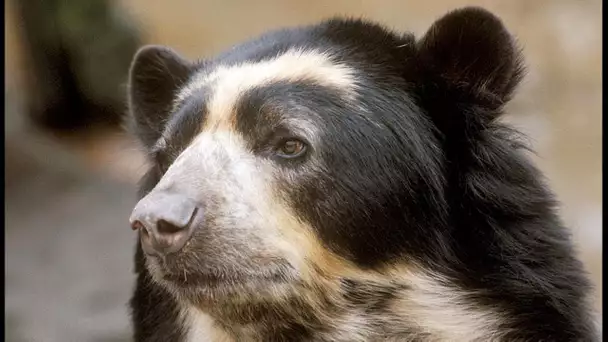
291	148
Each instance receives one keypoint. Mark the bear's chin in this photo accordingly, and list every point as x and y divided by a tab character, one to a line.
218	284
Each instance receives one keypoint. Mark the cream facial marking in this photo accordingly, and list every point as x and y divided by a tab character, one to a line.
442	310
229	83
201	327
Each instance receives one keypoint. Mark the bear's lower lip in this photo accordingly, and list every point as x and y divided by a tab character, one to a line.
186	279
213	280
178	274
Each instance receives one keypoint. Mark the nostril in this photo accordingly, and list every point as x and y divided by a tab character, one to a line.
165	227
136	225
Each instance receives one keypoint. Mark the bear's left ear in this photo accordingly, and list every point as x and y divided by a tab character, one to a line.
470	52
157	73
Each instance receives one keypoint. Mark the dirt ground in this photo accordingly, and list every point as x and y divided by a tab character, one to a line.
68	246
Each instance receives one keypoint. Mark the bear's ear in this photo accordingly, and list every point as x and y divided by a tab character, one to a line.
469	52
156	74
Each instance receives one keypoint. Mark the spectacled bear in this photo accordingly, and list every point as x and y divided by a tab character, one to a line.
344	182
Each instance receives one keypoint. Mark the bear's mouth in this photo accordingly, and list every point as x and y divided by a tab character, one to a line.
198	280
181	276
209	280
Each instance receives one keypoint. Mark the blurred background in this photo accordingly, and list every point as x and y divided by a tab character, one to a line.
71	172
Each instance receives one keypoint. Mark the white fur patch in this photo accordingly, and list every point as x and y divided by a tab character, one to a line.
229	82
352	328
201	327
441	310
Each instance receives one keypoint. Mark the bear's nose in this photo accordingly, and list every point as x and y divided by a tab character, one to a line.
165	222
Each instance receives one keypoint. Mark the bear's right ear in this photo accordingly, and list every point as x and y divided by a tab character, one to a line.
156	74
471	56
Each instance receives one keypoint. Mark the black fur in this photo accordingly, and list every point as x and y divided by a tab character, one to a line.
156	74
441	183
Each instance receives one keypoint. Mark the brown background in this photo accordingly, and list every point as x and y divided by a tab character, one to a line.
69	255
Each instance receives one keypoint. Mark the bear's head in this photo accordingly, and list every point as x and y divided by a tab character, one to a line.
296	165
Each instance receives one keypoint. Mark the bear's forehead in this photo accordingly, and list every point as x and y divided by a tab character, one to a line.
285	75
227	82
253	98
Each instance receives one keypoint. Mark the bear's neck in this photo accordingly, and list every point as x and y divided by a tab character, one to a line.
348	326
356	315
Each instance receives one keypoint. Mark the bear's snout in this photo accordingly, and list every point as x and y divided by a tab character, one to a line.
165	221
